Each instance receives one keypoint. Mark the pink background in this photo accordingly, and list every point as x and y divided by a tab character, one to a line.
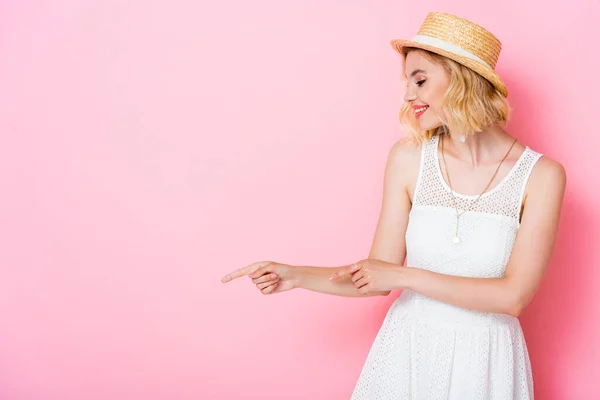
150	147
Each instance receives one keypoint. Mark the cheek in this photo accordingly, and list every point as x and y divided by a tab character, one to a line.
431	118
436	98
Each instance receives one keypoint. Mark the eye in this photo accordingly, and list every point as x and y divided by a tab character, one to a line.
421	82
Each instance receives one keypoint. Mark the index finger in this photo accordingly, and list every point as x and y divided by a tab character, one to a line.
243	271
346	271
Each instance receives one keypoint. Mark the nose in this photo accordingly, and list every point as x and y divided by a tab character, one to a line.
409	95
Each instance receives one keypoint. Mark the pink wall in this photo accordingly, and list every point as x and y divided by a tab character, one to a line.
150	147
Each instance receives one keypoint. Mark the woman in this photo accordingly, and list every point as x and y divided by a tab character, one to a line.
473	212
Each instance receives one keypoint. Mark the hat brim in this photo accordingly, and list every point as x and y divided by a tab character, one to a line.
400	44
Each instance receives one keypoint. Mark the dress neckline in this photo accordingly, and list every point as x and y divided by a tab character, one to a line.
473	196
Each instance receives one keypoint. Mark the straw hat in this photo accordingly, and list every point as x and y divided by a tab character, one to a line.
460	40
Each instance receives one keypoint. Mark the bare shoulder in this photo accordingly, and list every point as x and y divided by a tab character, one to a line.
405	152
404	160
548	178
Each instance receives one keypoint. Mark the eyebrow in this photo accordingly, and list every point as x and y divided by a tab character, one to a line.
416	71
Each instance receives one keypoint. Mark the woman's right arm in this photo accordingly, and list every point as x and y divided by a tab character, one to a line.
401	171
316	279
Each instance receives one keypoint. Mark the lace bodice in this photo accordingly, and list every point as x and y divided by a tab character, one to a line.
487	231
503	199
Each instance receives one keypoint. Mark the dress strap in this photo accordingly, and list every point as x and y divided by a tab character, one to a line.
525	170
426	176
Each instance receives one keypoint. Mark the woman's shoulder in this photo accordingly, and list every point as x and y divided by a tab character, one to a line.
405	151
548	176
548	170
404	160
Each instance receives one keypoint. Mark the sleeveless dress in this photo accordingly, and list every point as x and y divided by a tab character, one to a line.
430	350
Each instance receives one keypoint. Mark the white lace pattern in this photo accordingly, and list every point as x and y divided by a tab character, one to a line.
431	350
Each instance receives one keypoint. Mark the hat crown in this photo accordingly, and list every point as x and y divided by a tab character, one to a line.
464	34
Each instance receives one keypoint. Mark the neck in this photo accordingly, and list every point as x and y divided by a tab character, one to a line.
479	148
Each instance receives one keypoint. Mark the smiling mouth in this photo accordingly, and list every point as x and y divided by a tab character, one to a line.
419	111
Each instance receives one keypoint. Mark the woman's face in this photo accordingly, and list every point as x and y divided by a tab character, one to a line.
426	84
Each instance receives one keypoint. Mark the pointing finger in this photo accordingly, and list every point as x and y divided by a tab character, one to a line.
346	271
243	271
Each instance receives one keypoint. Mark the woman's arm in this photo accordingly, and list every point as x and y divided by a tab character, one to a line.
528	262
317	279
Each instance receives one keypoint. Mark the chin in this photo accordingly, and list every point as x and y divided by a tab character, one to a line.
425	126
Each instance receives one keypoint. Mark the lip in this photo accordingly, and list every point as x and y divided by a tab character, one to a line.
415	107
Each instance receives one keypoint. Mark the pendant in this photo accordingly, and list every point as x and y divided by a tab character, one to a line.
456	239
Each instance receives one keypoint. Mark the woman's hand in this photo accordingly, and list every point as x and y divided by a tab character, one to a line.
268	276
374	276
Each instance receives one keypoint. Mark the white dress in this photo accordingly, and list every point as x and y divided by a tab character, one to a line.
431	350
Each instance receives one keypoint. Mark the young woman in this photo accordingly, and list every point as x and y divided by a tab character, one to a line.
473	212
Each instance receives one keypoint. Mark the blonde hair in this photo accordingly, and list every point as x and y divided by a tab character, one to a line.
471	102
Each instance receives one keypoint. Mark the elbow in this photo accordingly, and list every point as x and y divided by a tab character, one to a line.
514	310
516	306
516	299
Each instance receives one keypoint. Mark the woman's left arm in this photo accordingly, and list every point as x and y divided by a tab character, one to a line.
528	262
526	267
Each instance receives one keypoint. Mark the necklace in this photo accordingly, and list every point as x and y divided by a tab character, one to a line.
458	215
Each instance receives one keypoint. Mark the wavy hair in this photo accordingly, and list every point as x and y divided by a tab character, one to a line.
471	102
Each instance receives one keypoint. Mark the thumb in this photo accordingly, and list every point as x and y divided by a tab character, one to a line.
263	270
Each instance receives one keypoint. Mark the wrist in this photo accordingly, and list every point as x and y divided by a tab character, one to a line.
297	276
409	277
